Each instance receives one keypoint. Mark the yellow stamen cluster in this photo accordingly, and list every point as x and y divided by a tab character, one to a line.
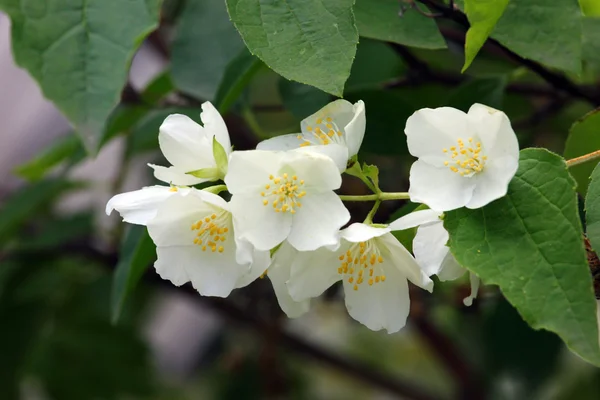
465	160
360	264
212	232
325	131
284	193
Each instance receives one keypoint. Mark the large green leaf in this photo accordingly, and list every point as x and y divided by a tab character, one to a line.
482	16
375	65
543	31
530	243
79	52
137	253
237	76
592	210
590	8
488	91
309	41
584	137
380	19
205	43
590	44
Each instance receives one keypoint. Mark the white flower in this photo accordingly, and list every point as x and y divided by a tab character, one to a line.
139	207
374	268
339	122
189	146
464	159
285	195
431	250
279	273
194	235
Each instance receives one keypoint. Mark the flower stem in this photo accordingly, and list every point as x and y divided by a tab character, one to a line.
584	158
383	196
371	213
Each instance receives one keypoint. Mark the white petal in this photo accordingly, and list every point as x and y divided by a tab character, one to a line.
439	188
313	272
279	273
249	170
211	274
384	305
184	143
358	232
338	153
175	176
429	247
259	224
490	124
429	131
280	143
450	269
215	126
340	111
318	221
319	172
396	255
173	221
355	129
259	260
139	206
415	219
475	281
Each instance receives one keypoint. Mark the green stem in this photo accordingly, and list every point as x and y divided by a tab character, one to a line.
383	196
371	214
216	189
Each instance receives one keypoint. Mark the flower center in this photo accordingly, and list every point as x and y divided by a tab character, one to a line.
465	160
212	231
284	193
325	131
360	263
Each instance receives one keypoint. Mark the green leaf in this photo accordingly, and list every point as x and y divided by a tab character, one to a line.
584	137
483	16
309	41
530	243
488	91
137	253
592	209
380	19
375	65
237	76
23	204
36	168
79	52
205	43
590	44
543	31
371	172
158	88
220	157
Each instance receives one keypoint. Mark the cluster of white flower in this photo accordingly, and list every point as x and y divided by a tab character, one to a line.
284	218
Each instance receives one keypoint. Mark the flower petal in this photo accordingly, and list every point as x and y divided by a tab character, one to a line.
439	188
259	260
259	224
249	170
279	274
429	247
340	111
312	272
475	282
358	232
450	269
139	206
355	129
429	131
280	143
399	258
215	126
384	305
211	274
184	143
175	176
317	222
338	153
415	219
319	172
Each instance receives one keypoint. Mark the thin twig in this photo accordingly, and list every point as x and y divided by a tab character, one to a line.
584	158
